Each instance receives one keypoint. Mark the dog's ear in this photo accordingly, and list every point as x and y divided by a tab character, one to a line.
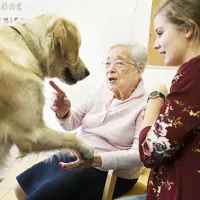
66	38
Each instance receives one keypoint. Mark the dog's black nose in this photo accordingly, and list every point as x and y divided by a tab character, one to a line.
87	73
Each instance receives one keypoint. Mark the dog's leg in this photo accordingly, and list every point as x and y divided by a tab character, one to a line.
5	146
24	125
46	139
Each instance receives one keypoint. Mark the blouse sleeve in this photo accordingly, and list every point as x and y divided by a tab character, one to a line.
74	120
178	117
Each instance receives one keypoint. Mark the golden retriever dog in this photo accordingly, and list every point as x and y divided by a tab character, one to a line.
45	46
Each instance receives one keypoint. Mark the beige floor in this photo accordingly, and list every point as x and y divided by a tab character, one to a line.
9	173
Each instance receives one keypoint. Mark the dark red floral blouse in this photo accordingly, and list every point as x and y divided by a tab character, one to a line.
171	147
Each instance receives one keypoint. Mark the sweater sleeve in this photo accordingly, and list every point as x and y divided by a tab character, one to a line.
124	159
178	117
74	119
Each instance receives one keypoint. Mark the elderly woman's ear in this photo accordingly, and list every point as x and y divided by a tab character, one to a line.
140	69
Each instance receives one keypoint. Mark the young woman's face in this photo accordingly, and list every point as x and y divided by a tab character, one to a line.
170	42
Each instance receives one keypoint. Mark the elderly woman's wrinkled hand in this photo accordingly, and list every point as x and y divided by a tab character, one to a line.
60	104
80	163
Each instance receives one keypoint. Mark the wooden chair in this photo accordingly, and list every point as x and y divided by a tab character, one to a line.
138	189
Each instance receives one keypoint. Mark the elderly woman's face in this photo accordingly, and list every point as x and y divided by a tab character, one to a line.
121	74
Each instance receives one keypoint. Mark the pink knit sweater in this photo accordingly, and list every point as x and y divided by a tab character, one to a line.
112	128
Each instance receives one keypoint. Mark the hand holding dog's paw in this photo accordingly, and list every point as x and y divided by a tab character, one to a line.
80	163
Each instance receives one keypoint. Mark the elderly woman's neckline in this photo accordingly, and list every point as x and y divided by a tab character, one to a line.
121	96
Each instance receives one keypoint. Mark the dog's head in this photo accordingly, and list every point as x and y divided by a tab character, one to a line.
59	42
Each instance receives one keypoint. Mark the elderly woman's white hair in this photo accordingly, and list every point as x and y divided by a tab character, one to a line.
139	53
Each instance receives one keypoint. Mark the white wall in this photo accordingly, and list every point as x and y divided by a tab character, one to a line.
101	23
152	74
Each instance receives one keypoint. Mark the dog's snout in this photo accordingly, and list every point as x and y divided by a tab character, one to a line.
87	73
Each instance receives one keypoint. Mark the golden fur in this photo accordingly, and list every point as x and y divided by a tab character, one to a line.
57	43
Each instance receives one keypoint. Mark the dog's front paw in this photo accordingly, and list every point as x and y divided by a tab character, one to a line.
85	151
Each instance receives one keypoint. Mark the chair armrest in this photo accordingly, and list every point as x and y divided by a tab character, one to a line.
139	187
110	185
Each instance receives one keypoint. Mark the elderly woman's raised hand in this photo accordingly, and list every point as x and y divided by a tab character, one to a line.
60	103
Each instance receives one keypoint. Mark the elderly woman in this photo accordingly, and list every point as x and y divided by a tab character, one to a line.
110	123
